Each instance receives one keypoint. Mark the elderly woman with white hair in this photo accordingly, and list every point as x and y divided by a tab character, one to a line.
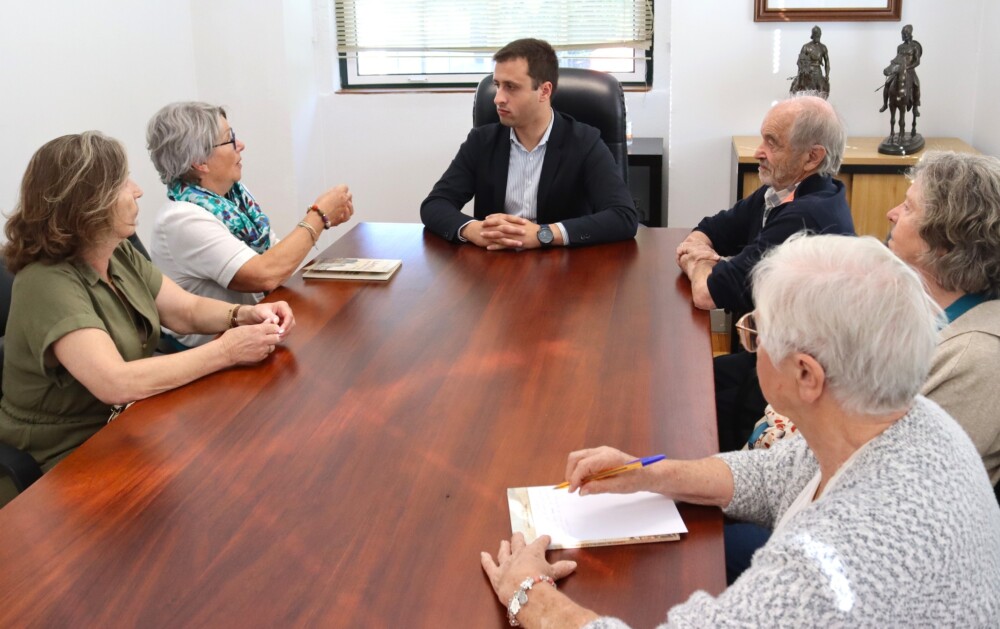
885	516
212	237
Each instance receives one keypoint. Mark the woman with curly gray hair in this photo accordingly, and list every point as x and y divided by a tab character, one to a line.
948	229
212	237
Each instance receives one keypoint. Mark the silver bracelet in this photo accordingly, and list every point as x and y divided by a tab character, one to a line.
311	229
520	598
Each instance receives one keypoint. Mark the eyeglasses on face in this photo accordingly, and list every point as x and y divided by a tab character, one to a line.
746	327
231	140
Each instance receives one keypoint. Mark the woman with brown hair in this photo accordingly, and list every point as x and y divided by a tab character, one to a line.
86	307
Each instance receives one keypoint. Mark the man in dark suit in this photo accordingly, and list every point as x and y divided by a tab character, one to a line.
539	177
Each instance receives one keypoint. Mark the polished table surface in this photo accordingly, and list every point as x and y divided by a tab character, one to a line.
353	478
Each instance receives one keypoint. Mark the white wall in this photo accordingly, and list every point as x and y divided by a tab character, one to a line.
105	64
68	66
727	71
109	65
986	125
255	58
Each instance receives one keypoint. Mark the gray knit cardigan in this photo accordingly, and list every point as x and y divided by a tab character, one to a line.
908	537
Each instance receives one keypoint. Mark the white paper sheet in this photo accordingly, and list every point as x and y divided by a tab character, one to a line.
600	520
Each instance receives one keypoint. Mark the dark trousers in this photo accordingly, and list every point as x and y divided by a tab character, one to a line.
742	541
739	402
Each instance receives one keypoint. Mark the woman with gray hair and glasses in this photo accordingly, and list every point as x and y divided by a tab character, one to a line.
885	516
212	237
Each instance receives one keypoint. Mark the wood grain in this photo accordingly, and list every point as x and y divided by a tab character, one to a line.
352	479
861	151
876	191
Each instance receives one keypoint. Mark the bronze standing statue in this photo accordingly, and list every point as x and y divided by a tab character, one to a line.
814	67
900	94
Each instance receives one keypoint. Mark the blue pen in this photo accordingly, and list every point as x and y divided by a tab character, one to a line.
631	465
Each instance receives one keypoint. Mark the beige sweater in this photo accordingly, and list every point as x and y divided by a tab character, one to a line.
965	379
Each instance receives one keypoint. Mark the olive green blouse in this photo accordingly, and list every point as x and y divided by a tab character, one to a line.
44	409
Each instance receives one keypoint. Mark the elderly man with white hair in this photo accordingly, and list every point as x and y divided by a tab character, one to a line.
884	515
802	145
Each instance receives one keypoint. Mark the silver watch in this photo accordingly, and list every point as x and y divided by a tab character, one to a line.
545	235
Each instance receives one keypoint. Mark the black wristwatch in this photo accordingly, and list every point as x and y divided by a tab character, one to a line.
545	235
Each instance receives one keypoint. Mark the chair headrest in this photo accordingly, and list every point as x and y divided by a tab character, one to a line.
590	96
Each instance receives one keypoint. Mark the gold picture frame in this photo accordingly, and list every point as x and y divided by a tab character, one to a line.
846	11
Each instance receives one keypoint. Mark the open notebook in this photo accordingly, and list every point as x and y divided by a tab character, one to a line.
574	521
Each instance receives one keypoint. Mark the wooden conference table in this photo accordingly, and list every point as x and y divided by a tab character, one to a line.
352	479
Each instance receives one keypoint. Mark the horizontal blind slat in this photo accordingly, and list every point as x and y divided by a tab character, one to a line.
481	26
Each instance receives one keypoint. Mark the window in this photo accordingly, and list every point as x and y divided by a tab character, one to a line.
438	43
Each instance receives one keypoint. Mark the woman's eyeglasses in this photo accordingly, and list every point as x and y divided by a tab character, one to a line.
231	140
746	327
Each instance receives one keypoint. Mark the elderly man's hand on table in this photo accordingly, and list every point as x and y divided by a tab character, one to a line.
695	248
696	257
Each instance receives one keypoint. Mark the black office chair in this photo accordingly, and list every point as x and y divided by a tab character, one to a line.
592	97
22	469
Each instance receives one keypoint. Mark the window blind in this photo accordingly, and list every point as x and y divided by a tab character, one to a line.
481	27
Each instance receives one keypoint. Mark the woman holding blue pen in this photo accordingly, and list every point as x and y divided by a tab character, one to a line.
634	464
883	485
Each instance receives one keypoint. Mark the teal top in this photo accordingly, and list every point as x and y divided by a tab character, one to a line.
963	304
45	410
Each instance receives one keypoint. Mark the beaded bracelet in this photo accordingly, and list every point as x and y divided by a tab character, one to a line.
326	220
312	230
520	598
233	314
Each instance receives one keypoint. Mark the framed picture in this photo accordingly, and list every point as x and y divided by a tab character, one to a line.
826	10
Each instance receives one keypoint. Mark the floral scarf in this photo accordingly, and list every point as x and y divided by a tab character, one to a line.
238	211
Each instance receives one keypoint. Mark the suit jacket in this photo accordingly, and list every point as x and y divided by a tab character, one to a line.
581	186
819	206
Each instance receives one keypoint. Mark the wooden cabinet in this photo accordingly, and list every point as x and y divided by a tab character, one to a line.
875	183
